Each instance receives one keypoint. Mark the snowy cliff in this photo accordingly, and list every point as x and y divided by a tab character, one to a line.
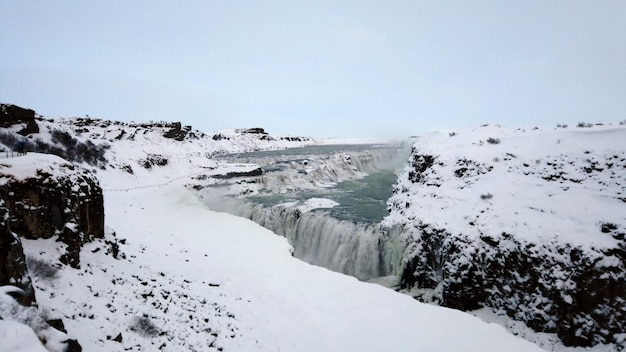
529	223
43	196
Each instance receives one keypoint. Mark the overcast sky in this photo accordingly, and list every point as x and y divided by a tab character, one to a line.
340	68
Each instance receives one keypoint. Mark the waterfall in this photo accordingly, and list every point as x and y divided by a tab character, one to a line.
319	239
364	251
290	172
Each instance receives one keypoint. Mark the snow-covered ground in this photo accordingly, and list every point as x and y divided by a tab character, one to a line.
208	281
540	184
191	279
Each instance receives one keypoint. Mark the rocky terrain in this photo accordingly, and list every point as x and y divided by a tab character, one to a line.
166	273
531	224
42	197
49	191
528	224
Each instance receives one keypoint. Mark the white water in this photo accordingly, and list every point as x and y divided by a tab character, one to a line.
311	168
319	239
354	248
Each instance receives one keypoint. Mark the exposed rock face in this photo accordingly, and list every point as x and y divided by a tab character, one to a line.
254	130
538	234
177	132
13	114
53	198
576	293
13	269
152	160
254	172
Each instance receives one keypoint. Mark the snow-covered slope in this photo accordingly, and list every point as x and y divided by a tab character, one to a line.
530	223
198	280
172	275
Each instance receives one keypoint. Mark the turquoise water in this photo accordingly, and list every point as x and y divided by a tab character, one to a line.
345	238
360	201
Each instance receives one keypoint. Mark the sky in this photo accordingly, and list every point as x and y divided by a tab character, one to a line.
351	68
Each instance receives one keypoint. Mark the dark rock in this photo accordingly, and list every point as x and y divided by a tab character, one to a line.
31	127
584	303
177	132
127	168
490	241
255	172
254	130
460	172
295	139
420	163
72	346
13	270
608	227
153	160
57	324
219	137
118	338
12	114
66	201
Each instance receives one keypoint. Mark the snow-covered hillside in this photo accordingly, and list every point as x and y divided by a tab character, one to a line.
198	280
183	278
530	223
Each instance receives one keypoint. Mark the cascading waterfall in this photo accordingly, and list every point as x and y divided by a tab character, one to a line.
289	172
339	245
364	251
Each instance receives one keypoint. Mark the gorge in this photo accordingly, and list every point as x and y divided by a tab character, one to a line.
528	225
471	223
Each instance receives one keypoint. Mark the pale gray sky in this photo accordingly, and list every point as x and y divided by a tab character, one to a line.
320	68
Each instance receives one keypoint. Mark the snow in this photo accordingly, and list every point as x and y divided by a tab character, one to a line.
16	337
565	209
549	194
207	280
311	204
274	301
189	278
23	167
24	328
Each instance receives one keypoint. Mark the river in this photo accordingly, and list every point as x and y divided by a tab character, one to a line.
326	200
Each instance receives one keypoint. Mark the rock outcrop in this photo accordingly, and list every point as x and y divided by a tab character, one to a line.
13	114
13	270
177	131
46	196
532	227
248	173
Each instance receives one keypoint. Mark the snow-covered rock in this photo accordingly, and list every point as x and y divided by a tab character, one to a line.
24	328
529	223
44	196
